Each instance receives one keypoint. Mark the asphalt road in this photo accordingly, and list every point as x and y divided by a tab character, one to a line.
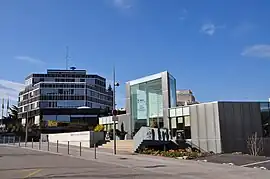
18	162
22	163
240	160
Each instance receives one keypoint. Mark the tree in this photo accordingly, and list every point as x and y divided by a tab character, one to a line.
109	88
14	112
255	144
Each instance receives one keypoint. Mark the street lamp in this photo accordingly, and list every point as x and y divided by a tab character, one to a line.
26	126
115	84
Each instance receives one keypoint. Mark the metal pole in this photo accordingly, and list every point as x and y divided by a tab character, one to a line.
39	144
95	150
26	127
57	146
14	139
80	148
68	147
32	143
19	141
4	140
114	126
48	145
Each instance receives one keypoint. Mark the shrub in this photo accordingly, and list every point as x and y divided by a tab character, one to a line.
99	128
173	153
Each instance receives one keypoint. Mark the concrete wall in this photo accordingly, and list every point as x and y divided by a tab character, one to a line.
205	128
125	119
166	98
87	138
238	121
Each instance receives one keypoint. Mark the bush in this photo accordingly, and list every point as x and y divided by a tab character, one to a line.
99	128
173	153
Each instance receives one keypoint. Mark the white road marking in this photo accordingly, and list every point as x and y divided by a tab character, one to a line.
255	163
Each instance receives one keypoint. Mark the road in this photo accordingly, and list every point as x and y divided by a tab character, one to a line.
18	162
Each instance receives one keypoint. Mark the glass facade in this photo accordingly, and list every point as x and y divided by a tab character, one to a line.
147	104
172	88
265	117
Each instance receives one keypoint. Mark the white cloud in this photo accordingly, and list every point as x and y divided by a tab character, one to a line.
10	89
260	51
29	59
123	4
183	14
210	28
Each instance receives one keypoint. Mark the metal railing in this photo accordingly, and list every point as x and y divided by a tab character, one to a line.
63	147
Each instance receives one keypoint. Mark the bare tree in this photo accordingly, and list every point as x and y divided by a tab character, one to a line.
255	144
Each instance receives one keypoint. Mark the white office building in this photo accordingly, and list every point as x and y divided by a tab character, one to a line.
59	93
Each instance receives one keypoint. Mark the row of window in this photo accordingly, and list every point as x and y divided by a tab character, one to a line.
52	96
54	104
30	95
72	85
76	98
92	99
93	87
37	80
67	76
28	107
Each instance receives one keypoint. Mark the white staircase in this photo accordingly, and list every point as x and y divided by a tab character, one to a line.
121	145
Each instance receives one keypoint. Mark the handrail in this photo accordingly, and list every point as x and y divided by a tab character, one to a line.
148	133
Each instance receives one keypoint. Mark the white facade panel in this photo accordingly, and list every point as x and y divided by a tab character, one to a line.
179	111
186	111
37	119
145	79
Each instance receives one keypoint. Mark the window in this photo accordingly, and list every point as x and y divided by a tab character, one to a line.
172	91
147	104
60	91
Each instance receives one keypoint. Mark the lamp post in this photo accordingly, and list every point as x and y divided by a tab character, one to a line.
26	126
114	112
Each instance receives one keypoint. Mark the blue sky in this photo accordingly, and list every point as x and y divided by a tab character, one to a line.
221	51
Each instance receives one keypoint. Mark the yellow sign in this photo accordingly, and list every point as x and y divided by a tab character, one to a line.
52	123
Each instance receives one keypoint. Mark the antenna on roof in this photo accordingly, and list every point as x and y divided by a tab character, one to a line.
67	56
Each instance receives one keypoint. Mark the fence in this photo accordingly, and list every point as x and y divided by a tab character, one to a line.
66	147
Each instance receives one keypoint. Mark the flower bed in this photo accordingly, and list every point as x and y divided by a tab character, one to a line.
179	153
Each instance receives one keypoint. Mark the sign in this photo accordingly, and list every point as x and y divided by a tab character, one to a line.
52	123
114	118
141	104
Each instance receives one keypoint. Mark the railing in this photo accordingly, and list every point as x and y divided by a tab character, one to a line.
75	148
148	133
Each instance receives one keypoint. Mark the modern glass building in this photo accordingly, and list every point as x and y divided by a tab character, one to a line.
148	100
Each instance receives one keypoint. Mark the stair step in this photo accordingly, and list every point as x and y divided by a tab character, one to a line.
121	145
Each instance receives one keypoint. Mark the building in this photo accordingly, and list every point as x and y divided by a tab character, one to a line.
147	102
215	126
65	96
185	97
221	126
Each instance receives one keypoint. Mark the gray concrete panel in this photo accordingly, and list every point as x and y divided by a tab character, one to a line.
194	126
125	119
205	127
128	109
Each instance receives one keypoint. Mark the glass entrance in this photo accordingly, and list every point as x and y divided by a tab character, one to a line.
147	104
